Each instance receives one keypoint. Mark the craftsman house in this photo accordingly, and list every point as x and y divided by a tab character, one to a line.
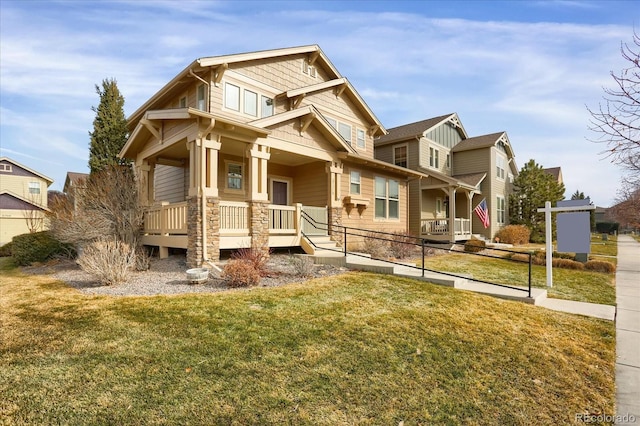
460	171
238	150
23	199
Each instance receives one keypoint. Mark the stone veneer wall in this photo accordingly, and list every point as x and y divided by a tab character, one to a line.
194	230
335	218
259	225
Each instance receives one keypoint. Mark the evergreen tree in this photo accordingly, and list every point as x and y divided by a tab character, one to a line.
579	195
531	189
109	128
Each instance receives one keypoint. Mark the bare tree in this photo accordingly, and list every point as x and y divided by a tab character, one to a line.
34	215
617	120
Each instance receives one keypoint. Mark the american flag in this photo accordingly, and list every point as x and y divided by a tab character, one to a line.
483	212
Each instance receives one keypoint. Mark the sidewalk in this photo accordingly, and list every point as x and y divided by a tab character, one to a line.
628	330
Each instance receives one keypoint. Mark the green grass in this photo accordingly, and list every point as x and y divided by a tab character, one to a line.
354	349
604	250
582	286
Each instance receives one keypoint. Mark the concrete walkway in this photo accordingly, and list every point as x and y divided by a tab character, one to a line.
628	331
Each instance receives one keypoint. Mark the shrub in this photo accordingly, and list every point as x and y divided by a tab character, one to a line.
37	247
522	257
474	245
110	261
600	266
302	265
257	256
402	245
567	264
240	273
514	234
377	248
5	250
561	255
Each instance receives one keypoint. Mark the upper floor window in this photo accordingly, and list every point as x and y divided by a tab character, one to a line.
434	158
354	187
243	100
400	155
182	103
387	193
34	187
345	131
500	166
309	70
201	98
360	138
5	167
447	162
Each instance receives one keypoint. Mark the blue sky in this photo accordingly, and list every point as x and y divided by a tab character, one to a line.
529	68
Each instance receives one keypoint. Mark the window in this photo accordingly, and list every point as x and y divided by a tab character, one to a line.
387	194
354	188
500	210
182	103
201	105
234	176
5	167
345	131
310	70
267	106
400	155
434	158
360	138
251	103
500	166
447	162
438	206
34	187
334	123
232	96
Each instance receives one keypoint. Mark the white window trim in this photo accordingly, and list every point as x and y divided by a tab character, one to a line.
439	207
204	100
227	163
364	138
387	198
434	158
503	168
394	153
359	182
260	94
6	168
500	201
36	186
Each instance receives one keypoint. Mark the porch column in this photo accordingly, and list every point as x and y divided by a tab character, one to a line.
470	195
452	215
211	230
259	156
145	181
334	172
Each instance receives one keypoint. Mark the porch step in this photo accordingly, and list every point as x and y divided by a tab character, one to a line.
316	245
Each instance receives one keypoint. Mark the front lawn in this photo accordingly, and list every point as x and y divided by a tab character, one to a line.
352	349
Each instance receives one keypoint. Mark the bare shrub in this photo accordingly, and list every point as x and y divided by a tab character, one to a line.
567	264
374	246
302	265
520	257
600	266
514	234
474	246
402	245
257	256
108	260
240	273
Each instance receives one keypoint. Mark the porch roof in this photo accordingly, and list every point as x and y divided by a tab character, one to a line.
467	181
379	164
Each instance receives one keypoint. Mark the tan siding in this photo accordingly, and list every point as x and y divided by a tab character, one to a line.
474	161
231	194
169	184
310	185
19	185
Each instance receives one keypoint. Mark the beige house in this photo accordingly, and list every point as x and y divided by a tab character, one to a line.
458	173
238	150
23	199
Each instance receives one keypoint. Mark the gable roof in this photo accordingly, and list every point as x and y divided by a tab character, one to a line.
22	166
471	179
484	141
22	201
72	179
222	62
556	172
416	130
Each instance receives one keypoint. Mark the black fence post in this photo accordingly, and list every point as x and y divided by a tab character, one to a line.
530	263
345	241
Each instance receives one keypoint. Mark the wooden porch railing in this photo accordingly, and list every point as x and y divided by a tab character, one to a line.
441	226
165	219
234	217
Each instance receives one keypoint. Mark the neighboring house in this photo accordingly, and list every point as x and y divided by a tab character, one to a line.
234	149
23	199
556	172
73	185
458	173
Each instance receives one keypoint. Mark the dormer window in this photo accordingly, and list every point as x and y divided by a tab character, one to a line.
309	70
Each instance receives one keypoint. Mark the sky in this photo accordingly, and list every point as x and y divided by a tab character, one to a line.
530	68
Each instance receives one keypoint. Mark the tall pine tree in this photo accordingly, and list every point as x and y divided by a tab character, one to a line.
531	188
109	128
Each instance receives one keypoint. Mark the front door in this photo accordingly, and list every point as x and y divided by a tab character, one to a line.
280	193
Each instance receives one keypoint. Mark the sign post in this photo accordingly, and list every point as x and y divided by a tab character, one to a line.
583	205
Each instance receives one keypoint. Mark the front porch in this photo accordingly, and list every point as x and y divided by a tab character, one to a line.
166	225
440	229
